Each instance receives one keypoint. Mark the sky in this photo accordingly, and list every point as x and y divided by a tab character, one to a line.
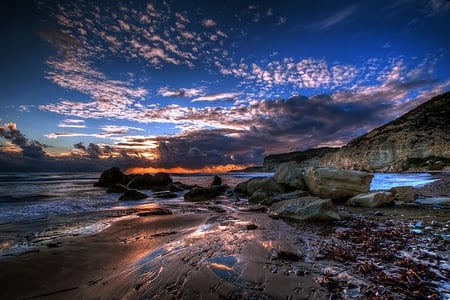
208	85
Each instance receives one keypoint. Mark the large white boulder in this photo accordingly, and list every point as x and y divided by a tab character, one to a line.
327	182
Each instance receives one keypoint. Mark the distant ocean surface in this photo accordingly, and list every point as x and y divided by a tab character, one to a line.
37	207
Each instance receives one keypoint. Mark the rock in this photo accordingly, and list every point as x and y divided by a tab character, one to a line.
165	195
404	193
216	180
140	181
337	184
111	177
267	184
290	176
178	187
161	179
158	211
117	188
241	187
133	195
308	208
372	200
268	201
259	196
204	194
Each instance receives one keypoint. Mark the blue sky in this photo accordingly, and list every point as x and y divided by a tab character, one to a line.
208	83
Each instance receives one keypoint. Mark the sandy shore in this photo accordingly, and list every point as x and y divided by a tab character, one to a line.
227	251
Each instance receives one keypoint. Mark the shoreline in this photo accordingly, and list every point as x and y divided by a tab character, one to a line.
224	250
204	251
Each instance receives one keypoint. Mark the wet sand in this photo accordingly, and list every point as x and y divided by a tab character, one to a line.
228	251
203	254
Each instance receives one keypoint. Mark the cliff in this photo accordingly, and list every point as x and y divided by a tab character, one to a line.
305	158
417	141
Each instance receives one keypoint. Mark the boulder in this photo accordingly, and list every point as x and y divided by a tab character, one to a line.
133	195
267	184
140	181
337	184
204	194
404	193
374	199
216	180
241	187
290	176
259	196
268	201
117	188
308	208
161	179
111	177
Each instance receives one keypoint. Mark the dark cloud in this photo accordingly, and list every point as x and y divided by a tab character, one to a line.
29	148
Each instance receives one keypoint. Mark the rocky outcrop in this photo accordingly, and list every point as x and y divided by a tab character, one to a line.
335	183
216	180
303	159
161	179
417	141
111	177
306	209
199	194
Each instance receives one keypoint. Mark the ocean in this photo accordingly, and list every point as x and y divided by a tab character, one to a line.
38	207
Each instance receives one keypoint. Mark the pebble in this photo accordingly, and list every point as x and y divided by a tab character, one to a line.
378	213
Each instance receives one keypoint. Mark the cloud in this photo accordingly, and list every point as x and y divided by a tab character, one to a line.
181	92
72	123
336	18
208	22
31	148
217	97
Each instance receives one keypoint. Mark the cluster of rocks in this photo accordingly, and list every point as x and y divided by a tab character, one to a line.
311	193
293	192
160	183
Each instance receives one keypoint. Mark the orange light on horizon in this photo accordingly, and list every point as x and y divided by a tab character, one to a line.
182	170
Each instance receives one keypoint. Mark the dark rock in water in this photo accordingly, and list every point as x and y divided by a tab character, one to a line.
204	194
111	177
161	179
140	181
216	180
133	195
118	188
178	187
155	212
165	195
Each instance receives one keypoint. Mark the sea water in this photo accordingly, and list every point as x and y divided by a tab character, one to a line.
37	207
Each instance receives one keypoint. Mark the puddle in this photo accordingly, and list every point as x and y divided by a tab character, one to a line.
224	267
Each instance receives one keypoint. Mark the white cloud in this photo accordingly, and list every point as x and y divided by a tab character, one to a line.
209	23
336	18
217	97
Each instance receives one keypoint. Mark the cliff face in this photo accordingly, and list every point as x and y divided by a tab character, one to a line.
417	141
305	158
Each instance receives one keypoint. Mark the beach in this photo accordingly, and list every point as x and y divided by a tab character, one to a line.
221	249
